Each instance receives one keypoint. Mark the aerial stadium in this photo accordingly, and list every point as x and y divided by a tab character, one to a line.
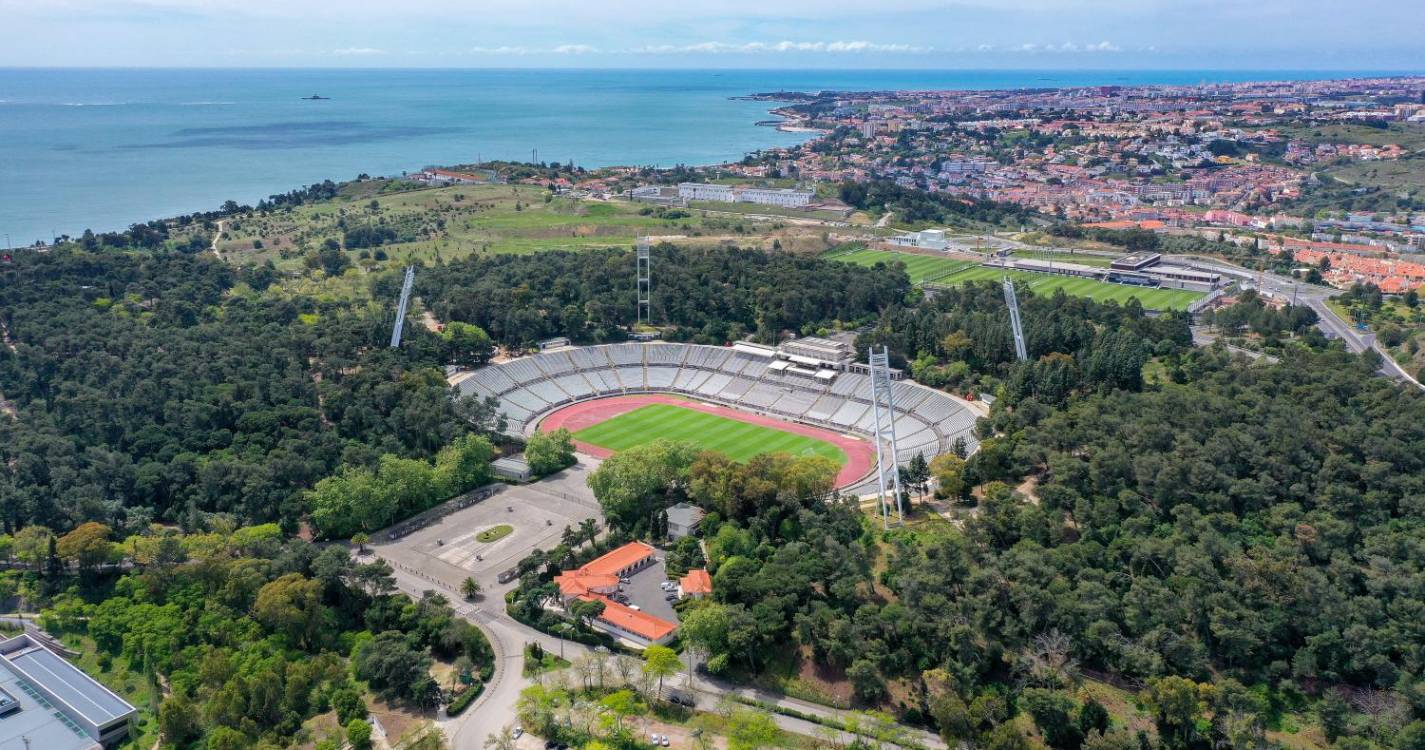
807	396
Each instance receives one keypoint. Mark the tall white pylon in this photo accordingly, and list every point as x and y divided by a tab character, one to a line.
645	283
883	405
1012	300
402	306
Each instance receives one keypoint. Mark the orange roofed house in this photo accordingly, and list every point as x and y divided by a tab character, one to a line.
599	578
697	584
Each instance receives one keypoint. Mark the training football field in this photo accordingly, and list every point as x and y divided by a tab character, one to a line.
920	268
1100	291
929	269
735	439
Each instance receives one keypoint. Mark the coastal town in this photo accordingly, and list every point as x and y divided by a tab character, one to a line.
1329	174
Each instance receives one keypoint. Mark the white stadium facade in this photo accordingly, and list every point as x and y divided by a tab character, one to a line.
928	421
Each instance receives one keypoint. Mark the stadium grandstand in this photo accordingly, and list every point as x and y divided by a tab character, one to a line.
750	377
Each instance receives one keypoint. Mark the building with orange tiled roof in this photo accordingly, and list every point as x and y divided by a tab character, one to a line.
697	584
601	575
599	578
633	625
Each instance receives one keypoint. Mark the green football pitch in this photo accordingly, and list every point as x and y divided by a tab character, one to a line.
1099	291
920	268
928	269
735	439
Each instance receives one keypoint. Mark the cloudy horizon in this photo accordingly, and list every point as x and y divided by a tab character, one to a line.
1059	34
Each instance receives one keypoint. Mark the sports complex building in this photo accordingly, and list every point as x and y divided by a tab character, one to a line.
810	382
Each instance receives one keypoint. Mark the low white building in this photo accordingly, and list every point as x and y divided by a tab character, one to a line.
703	191
930	239
784	197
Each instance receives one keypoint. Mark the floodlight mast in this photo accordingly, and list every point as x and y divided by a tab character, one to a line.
403	306
645	283
883	407
1012	300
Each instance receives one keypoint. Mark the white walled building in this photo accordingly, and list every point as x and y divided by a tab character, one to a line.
702	191
785	197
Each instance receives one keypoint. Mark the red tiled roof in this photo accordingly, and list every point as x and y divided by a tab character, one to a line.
601	572
633	621
618	559
575	583
696	582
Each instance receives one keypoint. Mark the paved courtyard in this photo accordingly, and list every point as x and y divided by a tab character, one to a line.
448	551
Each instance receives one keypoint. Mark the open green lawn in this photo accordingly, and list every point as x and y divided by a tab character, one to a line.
921	268
736	440
1100	291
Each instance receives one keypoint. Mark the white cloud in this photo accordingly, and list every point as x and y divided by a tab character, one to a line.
1067	48
358	52
574	49
500	50
785	46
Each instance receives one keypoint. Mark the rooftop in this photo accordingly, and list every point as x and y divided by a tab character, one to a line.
52	703
697	581
684	514
76	689
633	621
601	572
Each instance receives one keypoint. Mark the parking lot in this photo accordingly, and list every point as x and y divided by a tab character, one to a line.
643	590
448	551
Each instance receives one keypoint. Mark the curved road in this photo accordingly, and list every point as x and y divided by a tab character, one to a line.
1312	296
496	707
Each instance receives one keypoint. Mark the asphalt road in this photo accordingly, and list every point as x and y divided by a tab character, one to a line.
1311	295
419	568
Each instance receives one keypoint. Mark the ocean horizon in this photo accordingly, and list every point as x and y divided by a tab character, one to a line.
102	148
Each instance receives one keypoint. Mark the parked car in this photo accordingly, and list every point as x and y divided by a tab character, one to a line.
517	732
670	598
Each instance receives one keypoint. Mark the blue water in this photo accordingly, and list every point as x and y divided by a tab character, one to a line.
102	149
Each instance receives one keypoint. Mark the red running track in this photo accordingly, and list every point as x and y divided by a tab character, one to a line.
860	454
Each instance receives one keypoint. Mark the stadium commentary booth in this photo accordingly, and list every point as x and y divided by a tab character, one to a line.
750	378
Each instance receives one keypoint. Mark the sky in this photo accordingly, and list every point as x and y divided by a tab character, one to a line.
1042	34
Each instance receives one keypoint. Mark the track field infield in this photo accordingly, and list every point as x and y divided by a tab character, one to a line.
605	426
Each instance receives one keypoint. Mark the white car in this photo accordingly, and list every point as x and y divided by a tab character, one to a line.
517	732
665	740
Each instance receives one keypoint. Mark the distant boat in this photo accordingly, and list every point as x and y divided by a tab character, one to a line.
315	98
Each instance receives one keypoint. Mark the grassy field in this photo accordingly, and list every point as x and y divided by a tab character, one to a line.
757	209
736	440
453	222
1100	291
929	268
921	268
1404	134
1402	177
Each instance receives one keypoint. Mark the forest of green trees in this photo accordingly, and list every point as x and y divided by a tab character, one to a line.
1232	542
708	296
167	386
233	638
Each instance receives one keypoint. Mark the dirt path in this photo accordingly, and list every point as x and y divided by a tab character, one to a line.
860	454
219	235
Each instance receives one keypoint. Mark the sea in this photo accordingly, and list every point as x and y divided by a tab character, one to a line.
103	148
